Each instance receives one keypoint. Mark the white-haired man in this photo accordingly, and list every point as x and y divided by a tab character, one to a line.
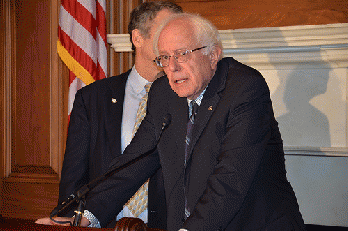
221	154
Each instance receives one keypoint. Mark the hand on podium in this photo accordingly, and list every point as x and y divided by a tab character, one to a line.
62	221
124	224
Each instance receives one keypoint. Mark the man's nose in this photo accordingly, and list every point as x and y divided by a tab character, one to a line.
173	64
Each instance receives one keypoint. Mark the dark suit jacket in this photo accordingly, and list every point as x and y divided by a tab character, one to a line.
235	178
94	140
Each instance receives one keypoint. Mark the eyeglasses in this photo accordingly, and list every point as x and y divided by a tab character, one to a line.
181	56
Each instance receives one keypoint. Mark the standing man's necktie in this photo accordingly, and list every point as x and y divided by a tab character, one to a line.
193	111
138	203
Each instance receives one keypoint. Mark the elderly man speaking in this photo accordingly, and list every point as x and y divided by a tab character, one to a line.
221	154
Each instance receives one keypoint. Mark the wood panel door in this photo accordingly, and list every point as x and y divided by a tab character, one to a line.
33	113
31	118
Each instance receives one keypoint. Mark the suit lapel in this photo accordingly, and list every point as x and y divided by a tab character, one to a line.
114	97
204	113
209	103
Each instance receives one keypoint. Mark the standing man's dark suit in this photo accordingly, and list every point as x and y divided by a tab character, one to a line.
94	140
235	178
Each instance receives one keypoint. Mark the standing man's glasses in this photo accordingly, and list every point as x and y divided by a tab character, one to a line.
181	56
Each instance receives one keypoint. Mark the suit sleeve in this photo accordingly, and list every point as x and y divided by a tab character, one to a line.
75	166
247	130
106	200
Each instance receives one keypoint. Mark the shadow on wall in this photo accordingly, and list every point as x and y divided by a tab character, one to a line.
308	95
309	100
304	124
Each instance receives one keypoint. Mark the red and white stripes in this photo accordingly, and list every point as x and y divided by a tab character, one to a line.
82	42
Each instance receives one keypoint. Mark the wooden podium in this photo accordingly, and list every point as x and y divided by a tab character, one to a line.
125	224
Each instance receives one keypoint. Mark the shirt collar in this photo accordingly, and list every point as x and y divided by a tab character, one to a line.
136	82
198	99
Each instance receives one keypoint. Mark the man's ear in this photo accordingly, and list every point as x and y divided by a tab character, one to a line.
215	54
137	39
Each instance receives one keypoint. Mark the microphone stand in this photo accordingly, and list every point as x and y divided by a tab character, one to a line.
81	193
79	212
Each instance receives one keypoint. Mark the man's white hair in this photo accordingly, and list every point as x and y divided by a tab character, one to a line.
204	31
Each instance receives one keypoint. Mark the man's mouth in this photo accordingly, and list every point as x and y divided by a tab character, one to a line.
180	80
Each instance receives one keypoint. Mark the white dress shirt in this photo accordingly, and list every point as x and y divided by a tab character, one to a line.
134	92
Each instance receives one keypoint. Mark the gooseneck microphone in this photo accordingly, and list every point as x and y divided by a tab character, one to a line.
80	194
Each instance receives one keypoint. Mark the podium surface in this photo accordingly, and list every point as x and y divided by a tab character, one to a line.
14	224
21	224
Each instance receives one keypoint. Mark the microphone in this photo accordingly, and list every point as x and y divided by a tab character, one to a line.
112	169
62	205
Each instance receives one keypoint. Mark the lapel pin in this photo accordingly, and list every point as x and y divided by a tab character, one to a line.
210	108
113	100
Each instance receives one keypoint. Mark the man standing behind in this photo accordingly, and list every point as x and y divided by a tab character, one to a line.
104	114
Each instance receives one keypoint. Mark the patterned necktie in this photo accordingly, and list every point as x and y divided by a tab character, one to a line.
138	203
193	111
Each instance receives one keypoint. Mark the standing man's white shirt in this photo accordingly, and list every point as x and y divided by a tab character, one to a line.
134	92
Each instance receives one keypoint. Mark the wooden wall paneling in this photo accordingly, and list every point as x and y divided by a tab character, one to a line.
119	19
2	97
116	65
7	45
124	19
111	15
7	71
58	116
108	16
63	72
2	85
34	115
114	27
235	14
30	87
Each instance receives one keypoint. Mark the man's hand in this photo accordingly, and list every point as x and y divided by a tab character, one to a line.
48	221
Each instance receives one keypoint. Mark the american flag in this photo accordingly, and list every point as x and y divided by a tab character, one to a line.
82	42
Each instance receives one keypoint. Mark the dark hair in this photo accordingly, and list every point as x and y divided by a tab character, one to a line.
141	17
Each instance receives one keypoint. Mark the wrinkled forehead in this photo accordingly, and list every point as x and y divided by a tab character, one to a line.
177	34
